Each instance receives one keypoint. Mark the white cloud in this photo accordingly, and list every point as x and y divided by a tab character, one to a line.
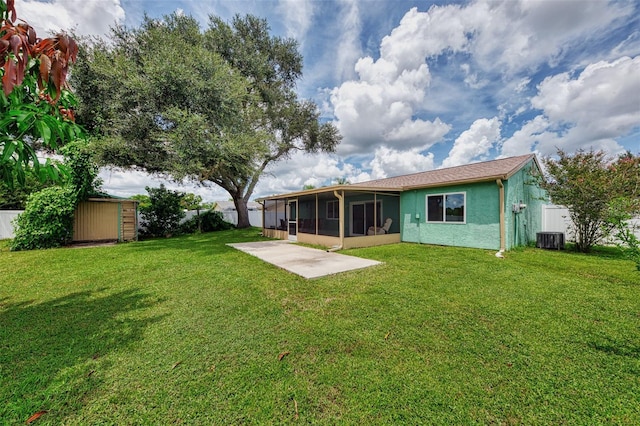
628	47
526	139
521	35
298	16
471	79
423	34
380	107
306	169
348	47
387	101
511	35
474	143
599	105
128	183
603	92
389	162
86	17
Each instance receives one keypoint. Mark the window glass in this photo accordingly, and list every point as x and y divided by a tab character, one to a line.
446	208
332	210
454	208
434	208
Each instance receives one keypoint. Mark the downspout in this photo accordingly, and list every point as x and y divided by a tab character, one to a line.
340	198
500	253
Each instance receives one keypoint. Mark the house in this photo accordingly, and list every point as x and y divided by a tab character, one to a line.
492	205
106	218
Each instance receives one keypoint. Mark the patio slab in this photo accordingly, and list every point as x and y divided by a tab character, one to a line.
304	261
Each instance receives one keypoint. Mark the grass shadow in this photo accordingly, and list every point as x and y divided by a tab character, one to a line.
603	252
611	347
52	353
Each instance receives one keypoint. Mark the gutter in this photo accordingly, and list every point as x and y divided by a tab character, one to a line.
500	253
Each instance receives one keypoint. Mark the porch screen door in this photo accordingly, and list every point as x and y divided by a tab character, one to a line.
362	216
293	225
358	219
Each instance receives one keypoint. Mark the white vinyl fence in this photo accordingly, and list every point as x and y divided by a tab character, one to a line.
255	217
556	219
6	223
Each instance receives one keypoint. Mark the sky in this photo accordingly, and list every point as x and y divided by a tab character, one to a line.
420	85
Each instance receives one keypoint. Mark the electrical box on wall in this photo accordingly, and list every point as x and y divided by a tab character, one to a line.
518	207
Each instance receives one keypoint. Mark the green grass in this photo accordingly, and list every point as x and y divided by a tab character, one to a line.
188	330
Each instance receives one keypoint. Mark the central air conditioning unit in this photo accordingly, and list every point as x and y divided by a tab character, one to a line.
550	240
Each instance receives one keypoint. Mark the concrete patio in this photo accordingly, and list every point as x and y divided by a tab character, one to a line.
304	261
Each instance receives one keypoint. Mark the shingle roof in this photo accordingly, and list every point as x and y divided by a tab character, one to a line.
476	172
469	173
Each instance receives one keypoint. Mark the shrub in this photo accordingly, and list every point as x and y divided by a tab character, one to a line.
47	220
48	217
209	221
162	217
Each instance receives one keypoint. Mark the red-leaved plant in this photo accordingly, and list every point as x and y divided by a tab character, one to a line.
19	44
36	107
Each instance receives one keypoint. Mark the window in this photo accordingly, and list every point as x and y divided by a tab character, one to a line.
446	208
333	209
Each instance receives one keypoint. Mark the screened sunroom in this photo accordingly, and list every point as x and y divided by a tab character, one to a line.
342	216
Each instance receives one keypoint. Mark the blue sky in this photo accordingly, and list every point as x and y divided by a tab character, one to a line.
418	85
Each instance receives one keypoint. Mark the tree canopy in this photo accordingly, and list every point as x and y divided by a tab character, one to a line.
215	106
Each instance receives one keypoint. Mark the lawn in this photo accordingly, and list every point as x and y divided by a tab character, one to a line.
190	331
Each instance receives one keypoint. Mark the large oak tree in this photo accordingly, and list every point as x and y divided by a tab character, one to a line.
215	106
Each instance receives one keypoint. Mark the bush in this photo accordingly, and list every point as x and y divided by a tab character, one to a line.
162	217
209	221
47	220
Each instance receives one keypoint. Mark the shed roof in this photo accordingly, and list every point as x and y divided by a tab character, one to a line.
103	196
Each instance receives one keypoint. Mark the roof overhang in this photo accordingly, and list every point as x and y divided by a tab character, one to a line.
457	182
111	200
329	189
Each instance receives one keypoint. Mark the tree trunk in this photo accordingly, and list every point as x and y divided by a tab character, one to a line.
243	212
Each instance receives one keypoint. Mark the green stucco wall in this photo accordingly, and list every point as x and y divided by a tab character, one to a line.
481	230
521	227
482	227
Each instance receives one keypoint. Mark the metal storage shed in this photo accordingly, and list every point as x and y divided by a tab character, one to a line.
106	219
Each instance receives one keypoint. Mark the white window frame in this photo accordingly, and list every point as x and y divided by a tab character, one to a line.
444	207
336	209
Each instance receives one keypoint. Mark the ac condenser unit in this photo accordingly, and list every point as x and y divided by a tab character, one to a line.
550	240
